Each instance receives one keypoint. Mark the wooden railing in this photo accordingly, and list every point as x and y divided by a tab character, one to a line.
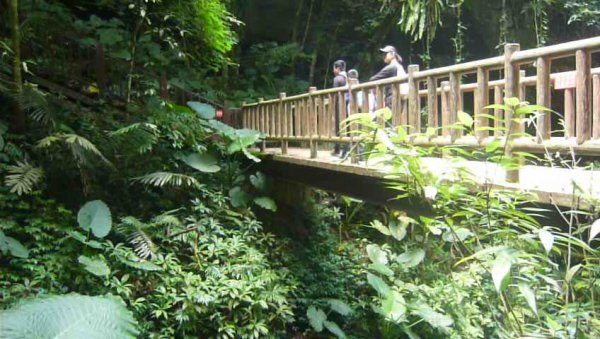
439	95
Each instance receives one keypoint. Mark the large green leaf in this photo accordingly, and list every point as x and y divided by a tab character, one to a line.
465	119
266	203
316	317
594	230
205	163
339	306
68	317
377	255
95	266
435	319
95	215
15	248
260	182
205	111
378	284
334	328
239	198
500	270
411	258
547	239
143	265
459	234
393	307
398	229
529	296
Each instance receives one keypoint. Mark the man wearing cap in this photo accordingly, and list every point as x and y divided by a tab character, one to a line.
392	69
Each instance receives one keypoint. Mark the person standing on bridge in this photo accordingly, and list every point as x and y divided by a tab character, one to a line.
392	69
340	79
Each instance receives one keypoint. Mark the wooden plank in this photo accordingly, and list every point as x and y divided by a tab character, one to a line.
543	99
445	108
482	97
569	113
596	117
522	97
413	99
432	103
583	92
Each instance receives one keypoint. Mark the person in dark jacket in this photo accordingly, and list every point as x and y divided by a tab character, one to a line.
339	80
392	69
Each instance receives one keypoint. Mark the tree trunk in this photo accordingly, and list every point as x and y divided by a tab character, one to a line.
295	35
18	114
164	86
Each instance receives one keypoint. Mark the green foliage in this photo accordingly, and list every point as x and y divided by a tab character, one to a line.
22	177
478	265
69	316
95	216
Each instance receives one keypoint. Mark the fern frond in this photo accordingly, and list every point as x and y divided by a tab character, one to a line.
36	103
23	177
142	243
160	179
69	316
78	145
143	135
167	220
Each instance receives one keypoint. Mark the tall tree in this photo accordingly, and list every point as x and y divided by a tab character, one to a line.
18	114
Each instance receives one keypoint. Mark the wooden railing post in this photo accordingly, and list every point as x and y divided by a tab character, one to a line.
432	103
414	115
482	97
312	122
596	95
511	89
499	121
583	91
283	124
569	112
445	108
454	105
244	115
353	127
543	98
262	123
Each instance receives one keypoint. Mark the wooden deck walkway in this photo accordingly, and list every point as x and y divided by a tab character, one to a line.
558	186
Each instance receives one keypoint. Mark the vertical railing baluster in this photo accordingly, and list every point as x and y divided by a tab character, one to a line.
543	98
569	112
596	95
413	100
312	122
511	89
432	103
283	123
261	123
583	91
445	108
499	121
482	97
454	105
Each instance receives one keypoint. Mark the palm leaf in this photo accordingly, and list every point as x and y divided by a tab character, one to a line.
69	316
160	179
142	135
79	146
23	177
135	232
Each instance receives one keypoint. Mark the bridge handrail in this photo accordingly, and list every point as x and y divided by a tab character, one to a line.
311	116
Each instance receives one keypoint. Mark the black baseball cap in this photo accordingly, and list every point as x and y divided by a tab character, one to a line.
388	49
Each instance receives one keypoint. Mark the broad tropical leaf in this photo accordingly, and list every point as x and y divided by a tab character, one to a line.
547	239
205	163
95	216
266	203
377	255
393	307
594	230
68	317
239	198
95	266
205	111
316	317
411	258
378	284
334	328
435	319
529	296
500	270
339	306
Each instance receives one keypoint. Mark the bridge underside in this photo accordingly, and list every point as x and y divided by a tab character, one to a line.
551	186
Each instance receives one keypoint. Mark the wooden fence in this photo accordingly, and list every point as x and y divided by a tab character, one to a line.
439	94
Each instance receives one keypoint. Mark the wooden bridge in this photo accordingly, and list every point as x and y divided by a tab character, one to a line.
298	128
